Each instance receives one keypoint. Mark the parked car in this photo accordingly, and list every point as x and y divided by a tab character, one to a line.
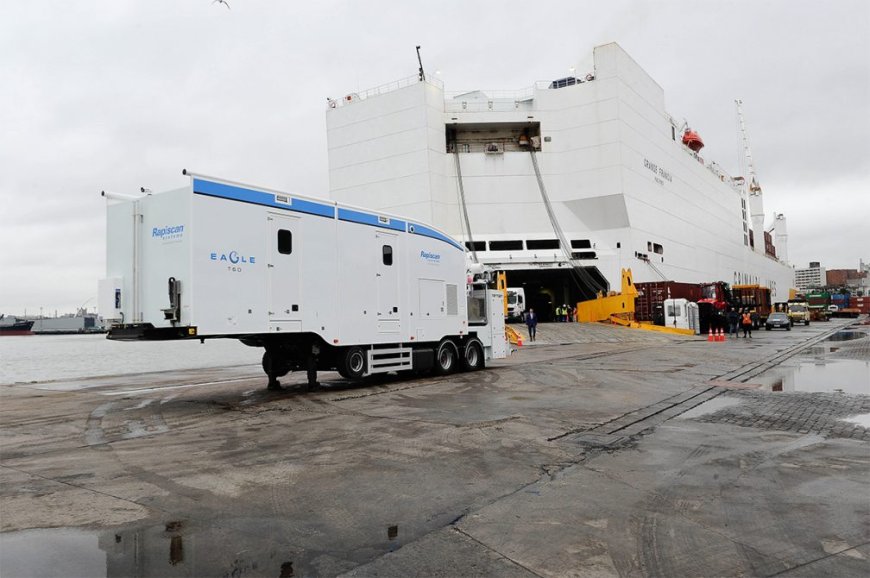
780	320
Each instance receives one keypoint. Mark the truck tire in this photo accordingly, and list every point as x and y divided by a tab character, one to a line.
446	357
352	364
472	355
807	322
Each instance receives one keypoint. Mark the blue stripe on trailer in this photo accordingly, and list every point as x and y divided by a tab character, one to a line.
416	229
236	193
370	219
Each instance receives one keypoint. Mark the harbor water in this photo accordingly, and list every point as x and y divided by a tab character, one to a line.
43	358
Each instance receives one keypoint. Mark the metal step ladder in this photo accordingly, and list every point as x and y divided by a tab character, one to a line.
389	359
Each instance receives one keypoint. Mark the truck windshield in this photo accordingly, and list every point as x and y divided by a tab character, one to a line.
512	298
708	292
797	308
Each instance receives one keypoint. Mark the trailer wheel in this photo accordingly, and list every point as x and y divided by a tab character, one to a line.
353	363
445	357
472	355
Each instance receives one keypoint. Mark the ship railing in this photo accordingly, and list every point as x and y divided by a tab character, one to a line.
527	93
352	97
491	146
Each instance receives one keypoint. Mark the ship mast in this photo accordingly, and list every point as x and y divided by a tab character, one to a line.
756	206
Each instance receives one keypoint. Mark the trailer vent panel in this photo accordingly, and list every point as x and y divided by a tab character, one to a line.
452	300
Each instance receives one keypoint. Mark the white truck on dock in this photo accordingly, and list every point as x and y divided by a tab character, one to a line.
319	285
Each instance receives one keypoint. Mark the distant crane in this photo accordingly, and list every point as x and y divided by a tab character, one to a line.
756	206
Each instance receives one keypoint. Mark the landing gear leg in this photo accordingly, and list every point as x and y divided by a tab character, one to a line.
311	367
274	369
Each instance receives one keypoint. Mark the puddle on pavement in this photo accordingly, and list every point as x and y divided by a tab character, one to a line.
817	370
821	375
846	336
862	419
59	552
171	549
711	406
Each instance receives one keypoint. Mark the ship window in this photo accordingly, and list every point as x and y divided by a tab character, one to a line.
542	244
580	244
618	245
563	82
285	241
649	245
388	255
658	248
505	245
476	245
583	255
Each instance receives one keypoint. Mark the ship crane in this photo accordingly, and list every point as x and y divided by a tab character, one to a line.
754	187
756	206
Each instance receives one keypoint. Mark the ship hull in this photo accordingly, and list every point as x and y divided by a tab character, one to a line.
590	175
17	328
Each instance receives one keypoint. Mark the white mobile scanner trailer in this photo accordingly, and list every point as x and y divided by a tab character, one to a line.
317	284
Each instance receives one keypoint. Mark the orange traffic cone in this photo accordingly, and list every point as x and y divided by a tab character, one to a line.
721	335
519	340
710	335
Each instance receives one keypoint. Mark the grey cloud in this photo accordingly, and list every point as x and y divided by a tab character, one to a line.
120	94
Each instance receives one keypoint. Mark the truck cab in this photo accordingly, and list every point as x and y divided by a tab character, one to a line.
516	303
798	312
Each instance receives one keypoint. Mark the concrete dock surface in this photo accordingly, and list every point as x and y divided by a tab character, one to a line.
596	451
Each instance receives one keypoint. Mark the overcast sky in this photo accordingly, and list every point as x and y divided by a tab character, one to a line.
118	94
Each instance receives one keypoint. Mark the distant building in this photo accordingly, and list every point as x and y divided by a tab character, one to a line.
856	280
812	277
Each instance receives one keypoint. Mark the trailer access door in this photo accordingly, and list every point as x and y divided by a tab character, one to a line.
285	248
388	282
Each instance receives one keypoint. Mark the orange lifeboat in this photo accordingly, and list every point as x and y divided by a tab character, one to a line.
692	140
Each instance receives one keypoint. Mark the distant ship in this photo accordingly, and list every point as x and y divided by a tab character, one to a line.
13	326
561	184
80	322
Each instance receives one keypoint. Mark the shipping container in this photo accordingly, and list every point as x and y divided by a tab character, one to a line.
755	299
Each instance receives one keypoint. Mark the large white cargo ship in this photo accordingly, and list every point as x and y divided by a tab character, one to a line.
562	184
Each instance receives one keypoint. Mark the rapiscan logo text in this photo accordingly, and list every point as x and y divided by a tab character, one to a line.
233	260
167	233
430	257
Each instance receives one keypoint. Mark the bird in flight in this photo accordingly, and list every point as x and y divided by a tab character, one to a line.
224	2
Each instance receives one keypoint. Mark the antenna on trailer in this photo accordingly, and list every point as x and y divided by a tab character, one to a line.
420	61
